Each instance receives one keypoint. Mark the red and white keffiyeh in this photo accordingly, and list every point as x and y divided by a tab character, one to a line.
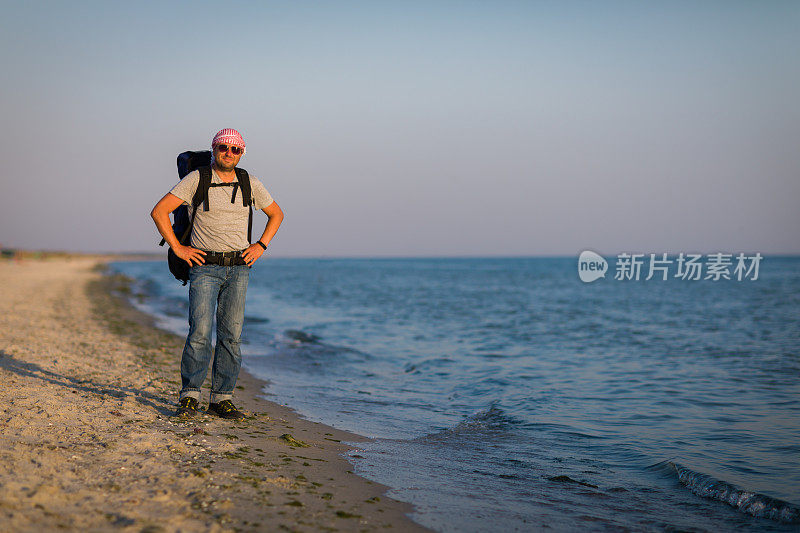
228	136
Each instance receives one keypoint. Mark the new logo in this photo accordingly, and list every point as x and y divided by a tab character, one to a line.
591	266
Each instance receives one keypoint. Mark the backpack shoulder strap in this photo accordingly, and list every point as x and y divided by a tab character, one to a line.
247	199
201	194
244	183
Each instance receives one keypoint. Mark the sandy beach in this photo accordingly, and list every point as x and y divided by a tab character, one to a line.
88	440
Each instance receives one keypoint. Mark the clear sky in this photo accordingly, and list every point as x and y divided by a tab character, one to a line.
412	128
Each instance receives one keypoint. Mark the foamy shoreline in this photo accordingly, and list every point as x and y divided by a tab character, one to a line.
87	439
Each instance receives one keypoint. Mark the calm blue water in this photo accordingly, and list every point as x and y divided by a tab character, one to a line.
505	394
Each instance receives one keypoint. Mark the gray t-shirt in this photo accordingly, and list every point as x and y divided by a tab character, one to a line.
223	228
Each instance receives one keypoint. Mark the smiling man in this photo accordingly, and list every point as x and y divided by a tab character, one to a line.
220	257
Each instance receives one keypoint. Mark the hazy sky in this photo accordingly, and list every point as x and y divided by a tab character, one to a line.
412	128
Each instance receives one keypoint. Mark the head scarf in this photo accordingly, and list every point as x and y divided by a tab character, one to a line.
230	137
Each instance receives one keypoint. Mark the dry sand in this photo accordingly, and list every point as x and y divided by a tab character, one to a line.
88	440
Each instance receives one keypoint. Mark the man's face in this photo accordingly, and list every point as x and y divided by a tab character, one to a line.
224	156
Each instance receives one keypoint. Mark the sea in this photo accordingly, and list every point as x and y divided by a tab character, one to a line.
506	394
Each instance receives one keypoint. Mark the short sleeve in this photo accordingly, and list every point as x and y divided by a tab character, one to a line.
186	188
261	197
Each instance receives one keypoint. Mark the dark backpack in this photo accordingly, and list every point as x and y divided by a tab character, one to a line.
182	224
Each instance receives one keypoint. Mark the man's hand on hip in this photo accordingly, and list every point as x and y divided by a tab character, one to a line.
253	252
189	254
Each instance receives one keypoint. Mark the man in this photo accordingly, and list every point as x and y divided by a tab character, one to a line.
220	258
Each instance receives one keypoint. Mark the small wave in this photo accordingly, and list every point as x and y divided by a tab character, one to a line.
567	479
492	420
758	505
297	345
301	336
427	364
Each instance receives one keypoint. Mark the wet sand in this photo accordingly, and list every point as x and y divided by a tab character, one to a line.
88	440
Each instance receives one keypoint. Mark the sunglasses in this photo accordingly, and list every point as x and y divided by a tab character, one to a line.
235	150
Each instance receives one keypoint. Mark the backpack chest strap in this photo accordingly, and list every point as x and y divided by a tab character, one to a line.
234	184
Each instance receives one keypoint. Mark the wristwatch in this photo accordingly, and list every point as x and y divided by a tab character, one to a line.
264	246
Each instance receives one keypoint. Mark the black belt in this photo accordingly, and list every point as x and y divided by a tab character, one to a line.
224	258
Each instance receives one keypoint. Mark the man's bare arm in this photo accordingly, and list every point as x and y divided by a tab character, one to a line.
160	214
275	215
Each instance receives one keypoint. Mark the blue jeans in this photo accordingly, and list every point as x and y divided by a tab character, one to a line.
222	288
